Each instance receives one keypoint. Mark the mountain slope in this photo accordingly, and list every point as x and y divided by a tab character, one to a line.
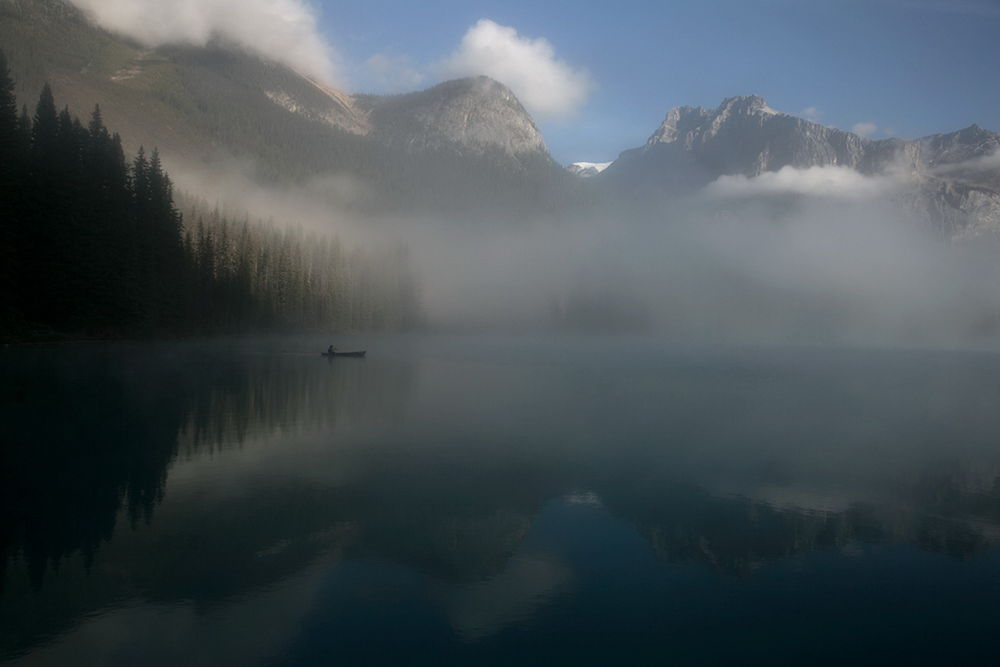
470	141
953	179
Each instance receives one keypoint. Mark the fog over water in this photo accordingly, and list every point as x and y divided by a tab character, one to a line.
449	500
819	255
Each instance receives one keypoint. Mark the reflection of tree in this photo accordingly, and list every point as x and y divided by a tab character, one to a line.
71	460
90	432
453	502
401	510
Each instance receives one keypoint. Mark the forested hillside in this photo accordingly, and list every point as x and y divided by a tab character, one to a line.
453	152
92	244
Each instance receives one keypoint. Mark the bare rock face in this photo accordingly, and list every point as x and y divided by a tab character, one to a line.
316	101
954	179
744	135
474	116
477	115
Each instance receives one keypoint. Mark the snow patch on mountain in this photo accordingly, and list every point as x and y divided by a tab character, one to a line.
587	169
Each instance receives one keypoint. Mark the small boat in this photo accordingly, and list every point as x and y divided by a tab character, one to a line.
356	354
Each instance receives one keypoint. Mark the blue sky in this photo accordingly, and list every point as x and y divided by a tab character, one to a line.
909	67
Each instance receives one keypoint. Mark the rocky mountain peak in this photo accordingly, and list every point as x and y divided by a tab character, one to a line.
475	114
958	147
744	104
687	124
743	135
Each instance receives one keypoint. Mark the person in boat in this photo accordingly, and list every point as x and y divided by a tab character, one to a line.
330	350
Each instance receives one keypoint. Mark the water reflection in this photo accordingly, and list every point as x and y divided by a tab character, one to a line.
247	482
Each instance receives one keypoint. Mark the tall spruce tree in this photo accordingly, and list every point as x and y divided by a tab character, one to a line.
9	141
11	164
45	130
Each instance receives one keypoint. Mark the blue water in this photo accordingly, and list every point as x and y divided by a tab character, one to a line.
514	501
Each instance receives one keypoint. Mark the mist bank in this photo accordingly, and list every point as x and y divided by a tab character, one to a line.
819	255
810	272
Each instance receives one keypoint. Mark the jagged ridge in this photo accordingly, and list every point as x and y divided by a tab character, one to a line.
956	183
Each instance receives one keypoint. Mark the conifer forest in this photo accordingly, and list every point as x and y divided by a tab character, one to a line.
94	244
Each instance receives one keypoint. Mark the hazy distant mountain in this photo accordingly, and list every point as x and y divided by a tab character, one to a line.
460	145
954	178
694	146
587	169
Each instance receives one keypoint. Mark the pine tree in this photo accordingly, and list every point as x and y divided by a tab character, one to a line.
9	142
24	130
11	164
45	130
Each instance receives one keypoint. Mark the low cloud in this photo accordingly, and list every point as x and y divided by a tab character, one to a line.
991	161
281	30
972	167
830	181
865	129
547	86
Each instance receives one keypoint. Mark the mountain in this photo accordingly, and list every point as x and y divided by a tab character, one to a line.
477	114
464	149
587	169
460	146
694	146
953	179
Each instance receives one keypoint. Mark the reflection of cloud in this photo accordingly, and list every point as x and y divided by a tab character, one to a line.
584	498
545	85
485	608
282	30
830	181
248	631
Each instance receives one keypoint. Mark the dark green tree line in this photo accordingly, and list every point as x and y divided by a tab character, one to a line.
253	275
93	244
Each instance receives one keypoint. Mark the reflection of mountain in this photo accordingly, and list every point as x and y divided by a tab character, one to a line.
737	535
240	467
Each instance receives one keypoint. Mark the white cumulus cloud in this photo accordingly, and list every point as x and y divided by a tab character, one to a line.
864	129
547	86
282	30
830	181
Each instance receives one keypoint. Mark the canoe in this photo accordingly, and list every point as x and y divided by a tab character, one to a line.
359	353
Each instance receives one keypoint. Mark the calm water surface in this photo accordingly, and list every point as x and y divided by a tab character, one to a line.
498	502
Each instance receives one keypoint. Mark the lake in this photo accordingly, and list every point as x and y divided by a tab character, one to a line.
498	501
